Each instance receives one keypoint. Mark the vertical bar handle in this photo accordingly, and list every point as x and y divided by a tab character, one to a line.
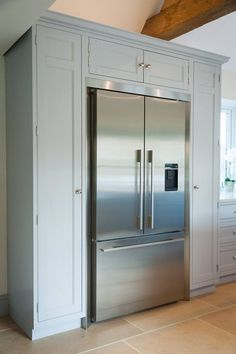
140	217
150	162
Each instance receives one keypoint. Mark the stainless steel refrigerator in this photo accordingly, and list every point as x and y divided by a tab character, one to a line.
138	202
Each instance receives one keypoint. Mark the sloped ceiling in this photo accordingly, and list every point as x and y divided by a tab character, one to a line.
216	36
16	17
126	14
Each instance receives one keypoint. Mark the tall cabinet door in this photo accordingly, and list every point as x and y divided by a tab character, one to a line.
59	173
205	172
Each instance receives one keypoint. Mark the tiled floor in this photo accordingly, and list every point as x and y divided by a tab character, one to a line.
205	325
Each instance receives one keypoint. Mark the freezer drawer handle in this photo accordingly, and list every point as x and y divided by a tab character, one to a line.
150	244
140	217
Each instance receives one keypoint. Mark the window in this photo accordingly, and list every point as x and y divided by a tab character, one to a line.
228	150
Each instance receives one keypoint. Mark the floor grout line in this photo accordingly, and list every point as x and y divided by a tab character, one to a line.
7	329
134	325
101	346
131	346
211	325
207	303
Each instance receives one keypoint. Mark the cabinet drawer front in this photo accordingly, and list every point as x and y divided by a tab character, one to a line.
166	71
227	233
228	211
115	60
228	259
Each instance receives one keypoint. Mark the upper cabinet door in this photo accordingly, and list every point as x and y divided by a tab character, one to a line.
115	60
59	173
164	70
205	174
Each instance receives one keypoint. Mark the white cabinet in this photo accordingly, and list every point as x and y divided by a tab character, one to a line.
130	63
164	70
115	60
205	172
227	238
44	131
47	72
59	173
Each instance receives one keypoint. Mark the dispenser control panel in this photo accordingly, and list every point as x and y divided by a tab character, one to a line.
171	177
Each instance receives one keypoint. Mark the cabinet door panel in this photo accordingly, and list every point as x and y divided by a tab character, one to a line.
59	174
115	60
205	167
166	70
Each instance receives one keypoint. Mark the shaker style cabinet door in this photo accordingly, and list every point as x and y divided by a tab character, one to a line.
115	60
205	169
59	174
164	70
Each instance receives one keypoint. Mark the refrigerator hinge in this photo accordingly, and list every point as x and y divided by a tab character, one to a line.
36	130
37	219
37	308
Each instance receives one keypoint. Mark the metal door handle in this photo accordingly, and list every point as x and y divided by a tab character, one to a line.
151	217
78	191
234	258
141	65
196	187
114	249
140	217
147	66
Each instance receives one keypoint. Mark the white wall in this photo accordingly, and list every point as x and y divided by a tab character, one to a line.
3	236
130	15
229	84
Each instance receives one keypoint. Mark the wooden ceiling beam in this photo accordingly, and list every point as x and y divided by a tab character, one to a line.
183	16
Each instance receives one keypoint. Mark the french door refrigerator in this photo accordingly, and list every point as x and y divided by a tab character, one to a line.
138	203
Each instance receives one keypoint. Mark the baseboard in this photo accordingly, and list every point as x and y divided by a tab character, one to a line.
227	279
202	291
49	330
3	305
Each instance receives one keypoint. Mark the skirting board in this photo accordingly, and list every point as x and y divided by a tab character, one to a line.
3	305
50	330
201	291
227	279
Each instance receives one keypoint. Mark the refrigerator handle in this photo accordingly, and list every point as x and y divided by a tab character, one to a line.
151	173
140	217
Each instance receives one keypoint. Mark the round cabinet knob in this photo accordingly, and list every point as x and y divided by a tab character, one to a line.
234	258
141	65
196	187
147	66
78	191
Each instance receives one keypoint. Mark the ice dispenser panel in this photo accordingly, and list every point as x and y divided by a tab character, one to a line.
171	177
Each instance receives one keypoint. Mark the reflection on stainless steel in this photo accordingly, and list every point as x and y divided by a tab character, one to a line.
140	226
165	137
137	89
135	278
119	177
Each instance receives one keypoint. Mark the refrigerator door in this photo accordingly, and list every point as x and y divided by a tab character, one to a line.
118	164
136	274
165	165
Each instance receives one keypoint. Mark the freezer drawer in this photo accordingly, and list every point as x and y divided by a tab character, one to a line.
136	275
